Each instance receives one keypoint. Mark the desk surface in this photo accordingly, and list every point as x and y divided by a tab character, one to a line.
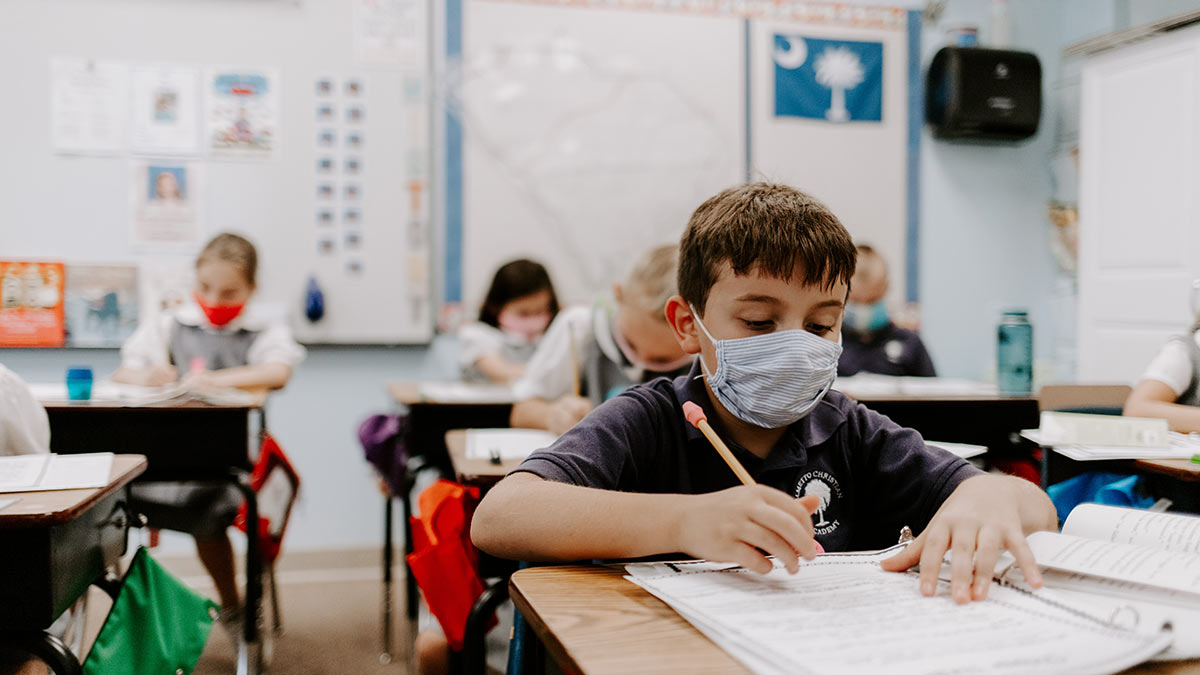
183	403
52	507
593	621
1181	469
448	393
471	471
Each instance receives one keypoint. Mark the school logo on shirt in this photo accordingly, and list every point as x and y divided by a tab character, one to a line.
824	486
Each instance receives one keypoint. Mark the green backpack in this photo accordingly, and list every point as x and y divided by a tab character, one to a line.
157	625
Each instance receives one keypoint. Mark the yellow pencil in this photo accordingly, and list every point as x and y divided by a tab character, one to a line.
696	416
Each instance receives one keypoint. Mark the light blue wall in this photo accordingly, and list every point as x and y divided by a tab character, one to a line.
984	231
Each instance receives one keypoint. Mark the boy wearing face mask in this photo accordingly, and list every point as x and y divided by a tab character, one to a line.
617	342
763	276
871	343
215	341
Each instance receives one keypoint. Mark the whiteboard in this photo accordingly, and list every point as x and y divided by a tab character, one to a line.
78	208
591	133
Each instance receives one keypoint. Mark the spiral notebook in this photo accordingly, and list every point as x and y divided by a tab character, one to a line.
842	613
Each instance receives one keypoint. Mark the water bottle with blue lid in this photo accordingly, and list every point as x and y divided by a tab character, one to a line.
1014	353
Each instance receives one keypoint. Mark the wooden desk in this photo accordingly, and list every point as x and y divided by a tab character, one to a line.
182	440
57	543
591	620
474	471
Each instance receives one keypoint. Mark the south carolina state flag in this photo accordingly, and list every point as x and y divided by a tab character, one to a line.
834	80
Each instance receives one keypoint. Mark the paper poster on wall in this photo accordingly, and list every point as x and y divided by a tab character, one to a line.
833	80
89	103
101	304
31	303
242	111
166	111
389	32
166	203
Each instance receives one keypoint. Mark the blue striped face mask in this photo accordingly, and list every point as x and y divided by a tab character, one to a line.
772	380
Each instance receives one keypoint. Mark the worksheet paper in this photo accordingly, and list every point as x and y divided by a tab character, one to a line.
507	443
1167	531
842	613
28	473
1124	562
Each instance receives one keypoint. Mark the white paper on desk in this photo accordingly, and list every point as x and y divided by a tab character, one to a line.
66	472
816	620
108	392
869	384
463	392
7	502
1060	428
963	450
510	443
20	472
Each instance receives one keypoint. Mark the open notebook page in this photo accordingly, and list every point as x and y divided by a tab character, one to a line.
842	613
1167	531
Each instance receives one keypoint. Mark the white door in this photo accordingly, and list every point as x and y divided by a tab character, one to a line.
1139	247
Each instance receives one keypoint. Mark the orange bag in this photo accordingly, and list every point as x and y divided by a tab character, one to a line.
444	563
276	483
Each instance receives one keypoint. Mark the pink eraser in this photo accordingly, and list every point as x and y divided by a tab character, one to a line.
693	413
820	548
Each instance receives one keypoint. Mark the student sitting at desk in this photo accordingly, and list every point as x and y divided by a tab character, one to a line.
1170	387
24	427
520	304
871	343
590	354
212	342
763	276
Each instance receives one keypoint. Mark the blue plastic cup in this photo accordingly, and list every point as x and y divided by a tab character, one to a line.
79	384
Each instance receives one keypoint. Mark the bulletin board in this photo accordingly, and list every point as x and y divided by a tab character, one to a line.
592	129
301	125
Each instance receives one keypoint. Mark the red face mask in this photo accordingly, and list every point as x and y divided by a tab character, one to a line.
218	315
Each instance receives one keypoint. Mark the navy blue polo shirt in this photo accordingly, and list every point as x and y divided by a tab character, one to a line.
872	475
891	350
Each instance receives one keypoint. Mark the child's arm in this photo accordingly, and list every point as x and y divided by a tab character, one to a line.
151	376
498	369
527	518
1152	398
556	416
261	376
983	516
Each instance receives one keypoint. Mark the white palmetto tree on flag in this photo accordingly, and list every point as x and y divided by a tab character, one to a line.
838	69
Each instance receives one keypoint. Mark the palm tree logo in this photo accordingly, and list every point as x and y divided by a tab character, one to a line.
819	489
838	69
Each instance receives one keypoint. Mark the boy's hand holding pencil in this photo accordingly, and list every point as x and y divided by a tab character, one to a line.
739	524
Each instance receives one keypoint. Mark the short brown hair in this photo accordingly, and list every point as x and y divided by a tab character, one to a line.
235	250
763	227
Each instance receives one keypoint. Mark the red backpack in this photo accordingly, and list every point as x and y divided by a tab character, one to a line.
444	563
276	483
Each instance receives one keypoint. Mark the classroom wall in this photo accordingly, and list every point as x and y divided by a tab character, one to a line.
983	245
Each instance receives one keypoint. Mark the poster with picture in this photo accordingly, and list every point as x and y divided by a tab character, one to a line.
166	111
31	303
166	203
242	111
101	304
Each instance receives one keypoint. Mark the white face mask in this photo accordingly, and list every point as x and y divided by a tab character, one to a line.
772	380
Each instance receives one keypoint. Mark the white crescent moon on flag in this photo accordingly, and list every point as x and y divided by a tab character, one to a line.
792	53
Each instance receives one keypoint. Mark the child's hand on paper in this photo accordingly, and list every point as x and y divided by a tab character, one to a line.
566	412
734	525
201	380
983	516
159	375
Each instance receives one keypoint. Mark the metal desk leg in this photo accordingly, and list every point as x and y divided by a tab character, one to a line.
410	582
474	661
250	659
46	647
385	656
